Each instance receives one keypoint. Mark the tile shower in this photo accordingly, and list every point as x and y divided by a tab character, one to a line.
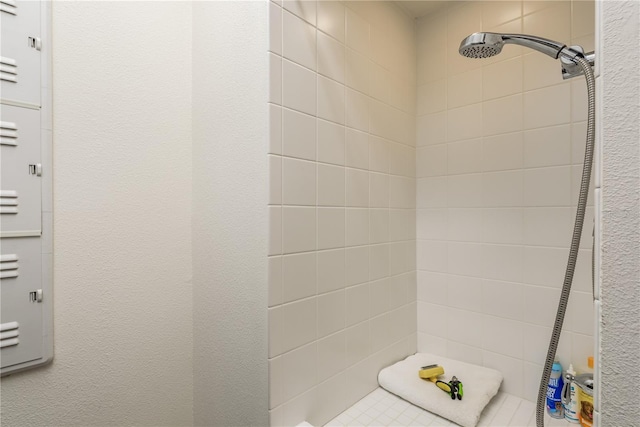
419	200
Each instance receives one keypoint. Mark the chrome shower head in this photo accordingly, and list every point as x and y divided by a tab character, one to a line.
481	45
485	45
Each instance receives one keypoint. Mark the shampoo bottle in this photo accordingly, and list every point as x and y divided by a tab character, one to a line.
570	396
554	392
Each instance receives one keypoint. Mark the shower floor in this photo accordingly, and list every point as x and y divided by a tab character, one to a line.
381	408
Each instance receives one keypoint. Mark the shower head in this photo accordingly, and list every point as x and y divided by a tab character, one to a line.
485	45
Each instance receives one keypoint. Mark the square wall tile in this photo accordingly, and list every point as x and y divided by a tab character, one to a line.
502	115
275	29
547	186
299	41
299	323
331	57
274	268
431	129
332	355
358	71
549	146
330	142
431	160
432	97
358	304
464	89
378	225
358	33
502	225
378	190
502	152
275	230
331	313
302	8
298	135
275	79
431	192
276	330
502	262
547	107
357	110
378	154
299	276
296	375
358	342
275	129
465	190
357	227
540	71
357	188
298	229
465	122
356	265
502	189
298	88
432	224
357	149
464	292
502	299
331	19
464	157
331	228
330	100
275	180
275	382
331	185
502	78
465	225
298	182
548	226
331	270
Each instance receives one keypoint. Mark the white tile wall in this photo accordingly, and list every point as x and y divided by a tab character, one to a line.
500	144
342	279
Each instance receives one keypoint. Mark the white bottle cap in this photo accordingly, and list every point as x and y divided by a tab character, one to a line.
570	370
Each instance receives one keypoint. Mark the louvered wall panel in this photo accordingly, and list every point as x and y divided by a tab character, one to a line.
8	266
20	63
21	274
8	7
8	69
20	188
9	333
8	133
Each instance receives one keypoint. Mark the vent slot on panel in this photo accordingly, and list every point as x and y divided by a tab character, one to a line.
9	334
8	69
8	202
8	6
8	133
8	266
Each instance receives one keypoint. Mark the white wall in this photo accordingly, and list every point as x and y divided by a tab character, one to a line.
619	110
341	200
500	148
230	78
122	230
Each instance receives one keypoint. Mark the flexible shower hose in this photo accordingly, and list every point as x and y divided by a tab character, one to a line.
575	241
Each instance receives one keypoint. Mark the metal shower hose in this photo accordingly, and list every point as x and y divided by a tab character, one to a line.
575	241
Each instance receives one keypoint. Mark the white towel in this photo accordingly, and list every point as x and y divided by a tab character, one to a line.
479	386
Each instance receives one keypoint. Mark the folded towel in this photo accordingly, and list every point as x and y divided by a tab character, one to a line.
479	386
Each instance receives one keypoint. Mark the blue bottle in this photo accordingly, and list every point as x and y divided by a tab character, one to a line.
554	392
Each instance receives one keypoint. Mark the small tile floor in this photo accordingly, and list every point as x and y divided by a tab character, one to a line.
381	408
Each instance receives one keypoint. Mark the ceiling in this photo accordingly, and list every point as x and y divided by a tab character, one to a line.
420	8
